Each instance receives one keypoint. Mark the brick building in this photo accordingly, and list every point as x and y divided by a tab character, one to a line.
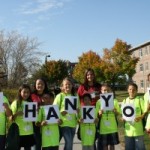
143	66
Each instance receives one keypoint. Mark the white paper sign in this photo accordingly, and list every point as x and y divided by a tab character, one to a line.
107	101
148	90
93	95
1	102
88	114
30	111
71	104
128	112
52	113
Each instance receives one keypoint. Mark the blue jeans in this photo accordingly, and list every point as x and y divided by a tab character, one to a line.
134	143
68	134
2	142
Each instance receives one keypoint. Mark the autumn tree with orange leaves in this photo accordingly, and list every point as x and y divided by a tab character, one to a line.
87	60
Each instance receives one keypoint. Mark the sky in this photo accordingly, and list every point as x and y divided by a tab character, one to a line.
68	28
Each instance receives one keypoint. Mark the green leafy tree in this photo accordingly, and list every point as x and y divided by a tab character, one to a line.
117	62
53	72
56	70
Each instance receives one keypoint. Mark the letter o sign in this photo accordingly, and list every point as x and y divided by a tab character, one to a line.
128	111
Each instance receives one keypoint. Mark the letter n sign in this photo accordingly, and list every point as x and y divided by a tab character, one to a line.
71	104
30	111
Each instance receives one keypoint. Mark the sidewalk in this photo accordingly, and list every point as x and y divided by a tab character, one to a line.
77	145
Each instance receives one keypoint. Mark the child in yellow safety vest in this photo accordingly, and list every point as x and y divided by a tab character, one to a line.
50	131
88	130
108	129
134	135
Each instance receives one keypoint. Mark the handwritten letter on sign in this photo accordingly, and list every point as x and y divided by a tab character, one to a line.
71	104
128	112
30	111
107	101
52	113
88	114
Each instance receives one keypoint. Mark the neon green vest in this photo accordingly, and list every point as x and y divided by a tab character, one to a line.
25	128
69	120
135	128
50	132
108	123
3	119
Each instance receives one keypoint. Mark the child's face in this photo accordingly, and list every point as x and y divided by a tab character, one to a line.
25	93
67	86
46	99
132	91
87	101
105	89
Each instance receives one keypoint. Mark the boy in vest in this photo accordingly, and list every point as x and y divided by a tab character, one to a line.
108	129
88	130
134	135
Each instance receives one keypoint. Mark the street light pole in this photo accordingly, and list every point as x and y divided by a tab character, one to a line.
46	58
46	61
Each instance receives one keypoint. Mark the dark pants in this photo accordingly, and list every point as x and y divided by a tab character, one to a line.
50	148
37	136
2	142
26	148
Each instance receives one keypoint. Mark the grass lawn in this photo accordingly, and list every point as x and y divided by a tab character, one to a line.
120	96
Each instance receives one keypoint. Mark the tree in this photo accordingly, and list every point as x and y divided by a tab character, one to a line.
53	71
57	70
88	60
117	62
18	52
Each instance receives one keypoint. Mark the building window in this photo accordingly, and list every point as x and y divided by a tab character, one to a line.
147	84
142	84
141	67
146	66
146	51
140	53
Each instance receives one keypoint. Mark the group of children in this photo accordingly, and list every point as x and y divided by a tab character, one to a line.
105	124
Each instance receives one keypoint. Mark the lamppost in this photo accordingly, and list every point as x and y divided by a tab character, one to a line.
46	61
46	58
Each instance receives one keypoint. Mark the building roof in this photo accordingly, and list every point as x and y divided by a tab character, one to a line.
140	46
